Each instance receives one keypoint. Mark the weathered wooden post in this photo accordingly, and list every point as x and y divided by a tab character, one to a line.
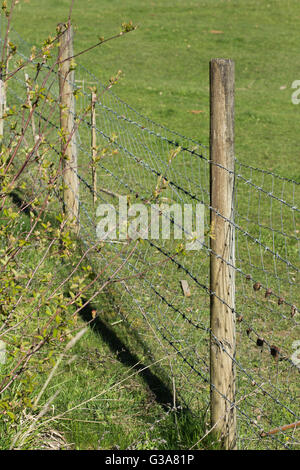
94	146
3	87
2	106
67	124
222	259
29	88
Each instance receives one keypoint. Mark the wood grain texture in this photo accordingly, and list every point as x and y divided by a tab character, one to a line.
67	124
222	274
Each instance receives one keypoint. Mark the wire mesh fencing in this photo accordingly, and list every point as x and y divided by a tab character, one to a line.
161	297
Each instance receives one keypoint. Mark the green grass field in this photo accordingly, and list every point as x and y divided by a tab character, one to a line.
165	65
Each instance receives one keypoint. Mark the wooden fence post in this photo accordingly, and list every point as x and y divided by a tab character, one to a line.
3	86
67	124
222	258
94	146
2	107
35	135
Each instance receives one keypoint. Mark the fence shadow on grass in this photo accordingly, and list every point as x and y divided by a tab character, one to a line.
163	395
21	203
181	429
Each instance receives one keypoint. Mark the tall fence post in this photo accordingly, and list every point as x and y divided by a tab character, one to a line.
3	85
2	107
67	124
29	88
94	145
222	258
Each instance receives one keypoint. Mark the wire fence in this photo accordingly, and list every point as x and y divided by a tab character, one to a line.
149	164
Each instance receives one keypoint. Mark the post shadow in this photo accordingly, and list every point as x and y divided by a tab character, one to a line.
160	390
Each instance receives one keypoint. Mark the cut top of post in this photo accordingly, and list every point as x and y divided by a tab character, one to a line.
222	76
